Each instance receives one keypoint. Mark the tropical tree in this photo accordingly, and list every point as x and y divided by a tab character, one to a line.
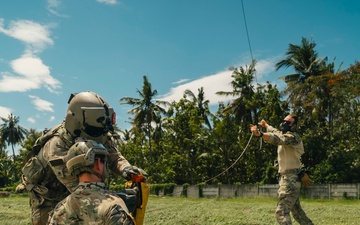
224	150
303	59
201	103
243	91
187	139
2	147
145	109
342	162
25	152
6	170
11	132
306	63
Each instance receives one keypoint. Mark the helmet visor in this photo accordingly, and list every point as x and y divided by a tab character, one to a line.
98	120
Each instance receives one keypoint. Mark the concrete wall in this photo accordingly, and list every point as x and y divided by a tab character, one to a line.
227	191
322	191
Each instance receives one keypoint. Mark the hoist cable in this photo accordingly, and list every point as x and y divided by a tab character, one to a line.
247	32
248	36
233	163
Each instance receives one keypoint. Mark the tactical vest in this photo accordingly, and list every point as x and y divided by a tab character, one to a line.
34	169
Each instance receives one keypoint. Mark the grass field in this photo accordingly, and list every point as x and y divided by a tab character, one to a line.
170	211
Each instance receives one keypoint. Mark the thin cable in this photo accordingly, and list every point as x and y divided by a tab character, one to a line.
224	170
248	37
247	32
233	163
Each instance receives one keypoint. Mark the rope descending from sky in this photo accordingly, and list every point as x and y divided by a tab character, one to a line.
233	163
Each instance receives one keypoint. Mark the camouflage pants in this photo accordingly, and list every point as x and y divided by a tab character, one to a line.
288	201
40	215
40	206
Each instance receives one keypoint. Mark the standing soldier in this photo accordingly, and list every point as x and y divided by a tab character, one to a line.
290	149
91	202
45	175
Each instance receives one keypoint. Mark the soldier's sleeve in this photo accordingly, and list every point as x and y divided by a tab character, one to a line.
291	139
117	215
55	151
117	162
278	138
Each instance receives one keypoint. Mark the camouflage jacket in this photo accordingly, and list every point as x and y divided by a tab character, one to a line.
290	148
46	173
91	203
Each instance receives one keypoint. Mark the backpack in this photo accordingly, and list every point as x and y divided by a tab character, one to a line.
34	169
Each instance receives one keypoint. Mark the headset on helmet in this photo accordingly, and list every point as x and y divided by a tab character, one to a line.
82	155
89	116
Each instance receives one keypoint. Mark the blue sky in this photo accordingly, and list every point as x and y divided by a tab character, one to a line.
52	48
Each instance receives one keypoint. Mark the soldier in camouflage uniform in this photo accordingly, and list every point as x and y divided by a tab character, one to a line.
45	175
91	202
290	149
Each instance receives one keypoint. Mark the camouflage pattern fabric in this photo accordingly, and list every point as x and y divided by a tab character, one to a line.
288	201
278	138
57	183
41	203
91	203
290	148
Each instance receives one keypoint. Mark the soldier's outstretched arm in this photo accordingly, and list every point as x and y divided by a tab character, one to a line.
117	162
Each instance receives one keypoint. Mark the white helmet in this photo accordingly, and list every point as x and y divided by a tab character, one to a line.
89	116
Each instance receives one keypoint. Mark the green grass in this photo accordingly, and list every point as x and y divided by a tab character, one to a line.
187	211
15	210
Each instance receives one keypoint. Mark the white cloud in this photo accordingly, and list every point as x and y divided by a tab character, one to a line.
31	74
263	68
215	83
41	104
52	118
53	6
31	120
33	68
211	84
34	35
10	83
181	81
5	112
108	2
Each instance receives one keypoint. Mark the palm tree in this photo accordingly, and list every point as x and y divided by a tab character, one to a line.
305	61
201	103
11	132
244	91
145	110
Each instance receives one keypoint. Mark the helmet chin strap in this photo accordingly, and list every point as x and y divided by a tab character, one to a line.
104	174
101	176
108	123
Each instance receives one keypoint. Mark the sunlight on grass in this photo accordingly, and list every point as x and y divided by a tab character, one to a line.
213	211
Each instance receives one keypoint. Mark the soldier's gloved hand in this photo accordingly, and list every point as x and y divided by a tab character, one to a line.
133	170
306	180
20	188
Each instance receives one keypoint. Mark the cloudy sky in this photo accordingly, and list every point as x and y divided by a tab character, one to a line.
52	48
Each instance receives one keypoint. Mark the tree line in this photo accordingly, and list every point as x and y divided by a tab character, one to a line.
184	142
